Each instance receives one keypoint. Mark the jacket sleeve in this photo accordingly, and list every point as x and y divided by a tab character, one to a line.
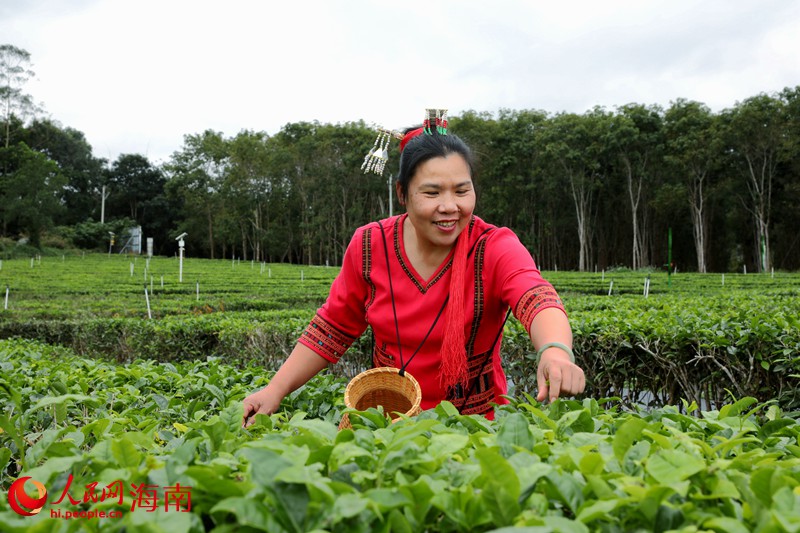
342	319
517	277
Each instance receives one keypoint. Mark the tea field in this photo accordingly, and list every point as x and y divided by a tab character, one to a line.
131	421
703	338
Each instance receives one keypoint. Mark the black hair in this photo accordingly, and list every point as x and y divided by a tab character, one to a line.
425	147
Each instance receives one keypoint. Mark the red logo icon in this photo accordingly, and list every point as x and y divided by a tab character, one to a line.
21	503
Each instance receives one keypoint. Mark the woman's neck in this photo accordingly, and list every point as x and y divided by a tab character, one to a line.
425	257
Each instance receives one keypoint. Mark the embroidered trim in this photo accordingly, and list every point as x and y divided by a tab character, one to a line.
478	300
535	300
366	262
380	357
407	270
481	399
325	339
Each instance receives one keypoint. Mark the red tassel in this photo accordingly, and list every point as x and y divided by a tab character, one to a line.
454	355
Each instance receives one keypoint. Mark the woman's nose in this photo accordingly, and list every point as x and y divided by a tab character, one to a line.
448	204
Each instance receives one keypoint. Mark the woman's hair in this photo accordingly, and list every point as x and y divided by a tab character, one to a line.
424	147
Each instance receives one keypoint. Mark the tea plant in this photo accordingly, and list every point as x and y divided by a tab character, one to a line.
568	466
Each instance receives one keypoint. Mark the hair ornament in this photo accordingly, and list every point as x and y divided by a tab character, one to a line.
376	158
435	118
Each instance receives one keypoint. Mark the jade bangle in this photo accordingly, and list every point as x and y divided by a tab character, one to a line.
555	345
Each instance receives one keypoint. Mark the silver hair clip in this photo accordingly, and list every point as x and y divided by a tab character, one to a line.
378	156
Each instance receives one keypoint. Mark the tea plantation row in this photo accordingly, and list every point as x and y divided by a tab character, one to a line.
81	425
703	338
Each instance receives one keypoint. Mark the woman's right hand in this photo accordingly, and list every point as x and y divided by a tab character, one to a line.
302	365
260	402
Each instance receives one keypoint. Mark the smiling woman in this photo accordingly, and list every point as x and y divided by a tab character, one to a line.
439	199
400	274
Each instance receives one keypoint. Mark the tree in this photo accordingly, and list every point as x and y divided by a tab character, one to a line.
637	139
297	159
508	181
85	173
134	181
787	212
136	191
248	186
30	191
197	175
14	73
692	150
575	145
755	135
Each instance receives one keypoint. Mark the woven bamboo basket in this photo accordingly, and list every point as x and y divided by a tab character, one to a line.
386	387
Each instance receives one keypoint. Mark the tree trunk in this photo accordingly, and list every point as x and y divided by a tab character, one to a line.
210	218
635	198
697	209
760	188
582	199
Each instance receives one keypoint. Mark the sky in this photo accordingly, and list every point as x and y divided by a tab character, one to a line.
137	76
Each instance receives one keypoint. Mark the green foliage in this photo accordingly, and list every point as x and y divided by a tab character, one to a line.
725	184
73	154
697	340
566	466
30	185
15	72
91	235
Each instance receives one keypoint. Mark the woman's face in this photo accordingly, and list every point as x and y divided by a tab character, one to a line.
440	201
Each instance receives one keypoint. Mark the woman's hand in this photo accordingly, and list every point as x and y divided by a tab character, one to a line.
302	365
557	375
261	402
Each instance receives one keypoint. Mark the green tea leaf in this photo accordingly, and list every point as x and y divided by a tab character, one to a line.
447	409
292	501
445	445
5	456
160	521
672	466
348	506
63	399
737	407
566	489
215	482
724	524
599	509
668	518
125	453
387	499
543	419
501	489
564	525
627	434
345	452
44	473
264	464
248	513
514	433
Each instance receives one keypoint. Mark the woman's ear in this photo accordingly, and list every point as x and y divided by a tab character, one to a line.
401	199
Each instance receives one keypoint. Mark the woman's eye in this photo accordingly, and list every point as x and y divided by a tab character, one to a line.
430	194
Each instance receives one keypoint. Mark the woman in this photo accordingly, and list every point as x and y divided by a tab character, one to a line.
434	284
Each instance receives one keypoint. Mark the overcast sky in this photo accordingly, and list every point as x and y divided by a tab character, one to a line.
136	76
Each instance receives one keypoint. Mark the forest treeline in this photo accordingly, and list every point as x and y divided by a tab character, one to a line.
605	188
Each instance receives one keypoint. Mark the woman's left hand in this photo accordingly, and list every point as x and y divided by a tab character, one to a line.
557	375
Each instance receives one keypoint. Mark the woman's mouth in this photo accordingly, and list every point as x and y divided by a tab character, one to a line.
446	224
